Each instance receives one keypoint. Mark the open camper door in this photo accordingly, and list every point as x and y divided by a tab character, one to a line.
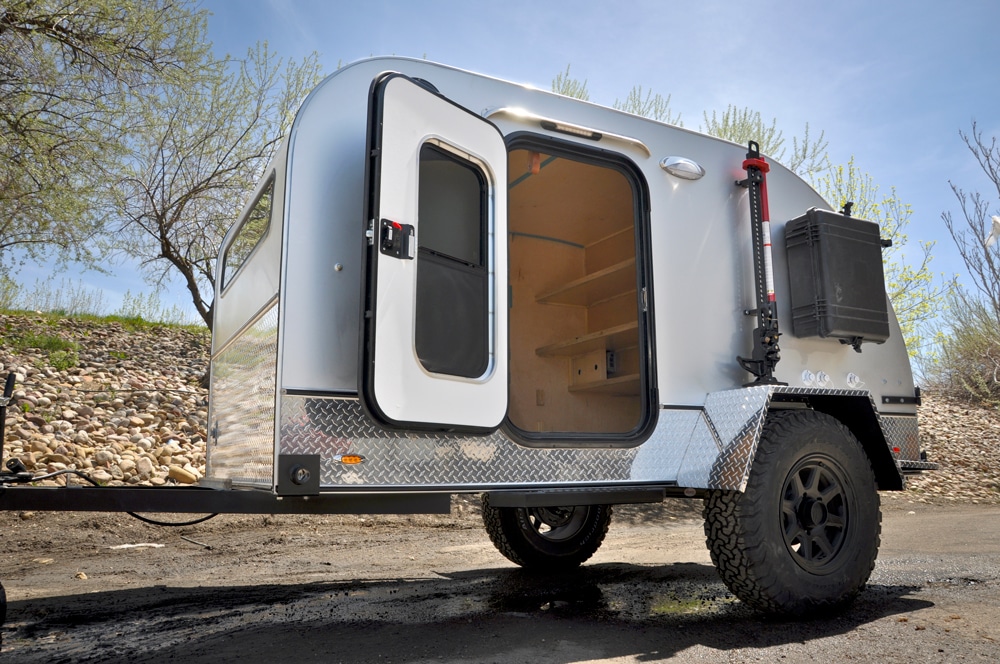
435	305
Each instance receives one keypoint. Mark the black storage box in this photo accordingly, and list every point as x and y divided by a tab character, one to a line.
835	277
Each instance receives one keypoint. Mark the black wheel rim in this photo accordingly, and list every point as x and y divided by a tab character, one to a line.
815	513
557	524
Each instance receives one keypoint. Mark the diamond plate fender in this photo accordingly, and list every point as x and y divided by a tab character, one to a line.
750	405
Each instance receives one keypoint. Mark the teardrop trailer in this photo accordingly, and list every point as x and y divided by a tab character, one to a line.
447	283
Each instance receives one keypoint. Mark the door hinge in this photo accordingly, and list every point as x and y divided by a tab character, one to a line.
645	301
370	232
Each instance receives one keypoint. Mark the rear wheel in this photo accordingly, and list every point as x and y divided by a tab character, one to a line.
803	538
547	538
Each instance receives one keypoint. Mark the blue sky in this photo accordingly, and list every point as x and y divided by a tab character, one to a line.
890	82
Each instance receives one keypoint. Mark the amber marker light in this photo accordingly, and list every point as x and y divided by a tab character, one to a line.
349	459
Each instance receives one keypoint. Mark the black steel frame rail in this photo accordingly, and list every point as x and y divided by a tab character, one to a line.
193	500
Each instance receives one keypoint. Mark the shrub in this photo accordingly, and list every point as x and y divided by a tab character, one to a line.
61	360
969	362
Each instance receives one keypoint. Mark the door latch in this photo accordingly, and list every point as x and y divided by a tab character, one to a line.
396	240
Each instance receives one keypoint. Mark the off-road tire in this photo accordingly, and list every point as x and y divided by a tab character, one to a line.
802	539
547	539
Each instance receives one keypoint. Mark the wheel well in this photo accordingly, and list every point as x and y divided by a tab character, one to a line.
857	414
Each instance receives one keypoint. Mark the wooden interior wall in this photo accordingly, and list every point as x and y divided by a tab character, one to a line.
568	221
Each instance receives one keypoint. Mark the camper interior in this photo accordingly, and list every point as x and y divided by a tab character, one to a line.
575	359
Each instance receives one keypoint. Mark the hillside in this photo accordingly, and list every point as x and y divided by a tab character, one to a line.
122	402
130	410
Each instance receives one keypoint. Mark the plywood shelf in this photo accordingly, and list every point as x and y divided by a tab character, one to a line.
610	282
615	386
612	338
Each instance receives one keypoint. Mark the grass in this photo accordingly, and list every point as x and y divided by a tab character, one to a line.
61	354
43	342
52	307
77	300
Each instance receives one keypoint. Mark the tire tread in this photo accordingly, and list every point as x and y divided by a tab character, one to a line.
507	536
744	561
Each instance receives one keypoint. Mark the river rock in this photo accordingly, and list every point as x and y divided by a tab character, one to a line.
182	475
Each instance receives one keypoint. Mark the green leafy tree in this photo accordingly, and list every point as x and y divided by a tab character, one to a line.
69	72
916	296
653	106
187	176
565	84
742	125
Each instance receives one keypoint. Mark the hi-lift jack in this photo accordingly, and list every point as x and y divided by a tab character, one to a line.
765	337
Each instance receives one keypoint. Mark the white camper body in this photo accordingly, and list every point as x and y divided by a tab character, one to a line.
449	283
593	313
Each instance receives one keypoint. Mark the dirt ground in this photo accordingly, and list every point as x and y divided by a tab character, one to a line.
106	588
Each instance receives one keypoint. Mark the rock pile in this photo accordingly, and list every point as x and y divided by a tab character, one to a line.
964	440
130	410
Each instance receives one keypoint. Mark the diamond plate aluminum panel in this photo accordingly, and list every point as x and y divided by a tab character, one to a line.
902	432
918	465
701	454
733	466
663	454
710	448
241	440
738	417
829	392
330	427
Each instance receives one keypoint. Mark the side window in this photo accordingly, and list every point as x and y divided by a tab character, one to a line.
452	306
252	230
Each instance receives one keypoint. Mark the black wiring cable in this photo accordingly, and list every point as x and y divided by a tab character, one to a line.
175	524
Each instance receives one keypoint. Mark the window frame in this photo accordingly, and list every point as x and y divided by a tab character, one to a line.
227	277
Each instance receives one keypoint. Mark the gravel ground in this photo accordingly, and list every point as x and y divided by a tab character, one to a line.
106	588
131	411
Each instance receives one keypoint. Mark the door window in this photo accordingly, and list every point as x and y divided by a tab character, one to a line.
452	307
